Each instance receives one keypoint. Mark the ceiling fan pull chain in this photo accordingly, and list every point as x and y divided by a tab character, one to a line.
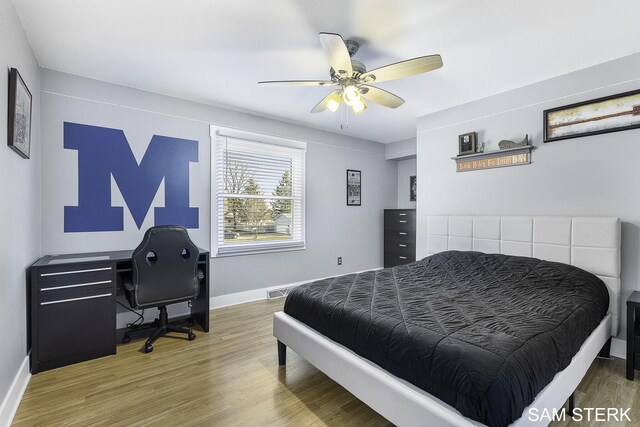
345	116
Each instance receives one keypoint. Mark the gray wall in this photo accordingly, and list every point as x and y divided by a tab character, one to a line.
20	200
406	168
332	230
595	175
399	150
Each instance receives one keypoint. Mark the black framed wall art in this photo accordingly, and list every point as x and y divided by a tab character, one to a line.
597	116
413	188
19	125
467	143
354	187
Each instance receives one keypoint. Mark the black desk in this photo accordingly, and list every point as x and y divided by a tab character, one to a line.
633	334
72	306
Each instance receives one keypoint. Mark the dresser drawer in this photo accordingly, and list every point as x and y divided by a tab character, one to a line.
405	250
395	237
401	248
400	224
391	259
400	214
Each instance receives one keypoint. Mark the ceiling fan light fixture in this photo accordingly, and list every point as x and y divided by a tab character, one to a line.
359	106
351	95
334	101
333	105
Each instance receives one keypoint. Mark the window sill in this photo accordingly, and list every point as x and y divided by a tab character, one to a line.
240	252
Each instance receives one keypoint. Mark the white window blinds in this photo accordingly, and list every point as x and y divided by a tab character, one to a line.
258	192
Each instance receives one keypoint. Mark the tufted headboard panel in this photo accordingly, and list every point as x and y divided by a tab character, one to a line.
591	243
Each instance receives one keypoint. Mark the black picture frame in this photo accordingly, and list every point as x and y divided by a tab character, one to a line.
413	188
354	187
20	110
467	143
602	120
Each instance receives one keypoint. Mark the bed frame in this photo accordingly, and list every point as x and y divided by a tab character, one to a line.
591	243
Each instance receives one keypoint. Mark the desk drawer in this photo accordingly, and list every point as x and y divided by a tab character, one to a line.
58	295
76	326
57	276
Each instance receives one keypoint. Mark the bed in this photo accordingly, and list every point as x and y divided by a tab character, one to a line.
502	318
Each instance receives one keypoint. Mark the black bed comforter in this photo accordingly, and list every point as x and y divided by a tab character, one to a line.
484	333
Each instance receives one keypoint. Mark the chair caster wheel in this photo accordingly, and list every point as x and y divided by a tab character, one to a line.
148	348
126	340
192	336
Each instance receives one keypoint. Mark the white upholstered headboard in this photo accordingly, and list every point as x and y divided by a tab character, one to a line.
591	243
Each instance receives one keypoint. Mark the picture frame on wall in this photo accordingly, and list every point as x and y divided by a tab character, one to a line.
20	108
413	188
594	117
467	143
354	187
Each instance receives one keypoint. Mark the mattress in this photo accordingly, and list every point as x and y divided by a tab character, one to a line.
483	333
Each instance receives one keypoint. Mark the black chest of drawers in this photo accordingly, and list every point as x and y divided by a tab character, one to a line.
399	236
73	314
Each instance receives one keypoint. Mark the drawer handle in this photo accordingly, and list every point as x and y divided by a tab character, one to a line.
402	221
76	286
403	257
402	234
402	246
75	299
402	214
75	272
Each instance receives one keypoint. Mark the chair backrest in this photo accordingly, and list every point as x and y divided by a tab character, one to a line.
165	267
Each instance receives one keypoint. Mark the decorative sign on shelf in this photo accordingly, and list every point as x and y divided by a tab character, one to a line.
494	159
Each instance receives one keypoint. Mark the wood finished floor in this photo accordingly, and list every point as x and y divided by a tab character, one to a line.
230	377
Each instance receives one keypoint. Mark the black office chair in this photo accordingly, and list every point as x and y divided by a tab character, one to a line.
164	272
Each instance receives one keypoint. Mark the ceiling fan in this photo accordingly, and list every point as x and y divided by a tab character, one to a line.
353	79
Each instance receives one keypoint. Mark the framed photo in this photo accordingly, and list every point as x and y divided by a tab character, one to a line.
467	143
354	187
413	188
602	115
19	126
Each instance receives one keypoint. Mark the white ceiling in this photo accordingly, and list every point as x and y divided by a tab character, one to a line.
215	51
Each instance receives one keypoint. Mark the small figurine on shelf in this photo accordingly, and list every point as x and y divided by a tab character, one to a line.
506	144
480	147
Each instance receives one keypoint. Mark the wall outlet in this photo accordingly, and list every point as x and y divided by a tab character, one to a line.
339	260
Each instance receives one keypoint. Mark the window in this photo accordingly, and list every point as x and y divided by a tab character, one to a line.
257	192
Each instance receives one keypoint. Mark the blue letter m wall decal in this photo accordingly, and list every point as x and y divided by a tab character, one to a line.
103	152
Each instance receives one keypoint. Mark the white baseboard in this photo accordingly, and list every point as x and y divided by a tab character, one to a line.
14	395
260	294
618	348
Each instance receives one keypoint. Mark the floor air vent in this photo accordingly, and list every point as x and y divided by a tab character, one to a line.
278	292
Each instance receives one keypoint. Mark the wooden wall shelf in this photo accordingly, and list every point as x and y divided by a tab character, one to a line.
494	159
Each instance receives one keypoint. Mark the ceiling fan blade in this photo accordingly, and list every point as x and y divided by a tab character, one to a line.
337	53
402	69
298	83
331	101
381	96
